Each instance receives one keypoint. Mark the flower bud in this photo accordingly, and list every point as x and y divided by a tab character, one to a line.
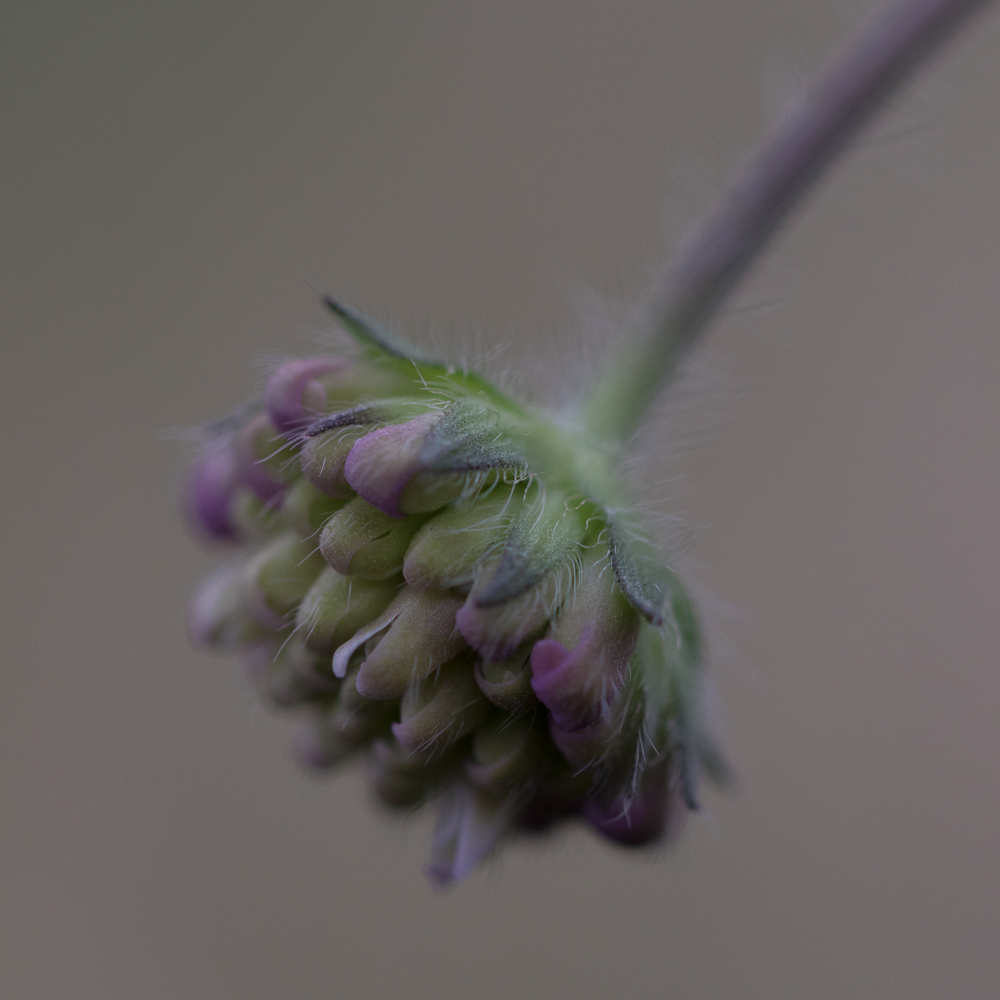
641	816
335	729
439	711
446	552
323	455
306	509
422	464
297	391
517	591
209	489
289	674
508	684
360	540
255	520
279	576
403	779
262	457
581	663
318	745
220	616
419	638
337	607
471	823
506	752
381	465
496	630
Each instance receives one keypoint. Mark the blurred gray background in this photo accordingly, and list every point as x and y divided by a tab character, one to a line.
177	181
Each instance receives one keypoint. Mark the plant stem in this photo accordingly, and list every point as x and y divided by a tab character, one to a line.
760	197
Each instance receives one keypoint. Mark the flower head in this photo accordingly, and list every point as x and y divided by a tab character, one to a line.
447	583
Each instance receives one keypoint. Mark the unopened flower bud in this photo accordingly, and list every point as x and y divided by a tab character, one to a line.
220	617
209	489
279	576
297	392
259	450
581	663
634	817
442	709
306	509
289	674
446	552
520	588
360	540
381	465
419	637
505	752
496	630
323	455
471	823
508	684
404	779
255	520
337	607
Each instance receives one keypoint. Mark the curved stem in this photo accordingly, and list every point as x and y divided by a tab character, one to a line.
761	196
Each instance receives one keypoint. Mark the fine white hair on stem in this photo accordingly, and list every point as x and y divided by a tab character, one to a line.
761	196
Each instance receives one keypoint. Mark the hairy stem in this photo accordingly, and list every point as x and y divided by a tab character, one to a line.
761	196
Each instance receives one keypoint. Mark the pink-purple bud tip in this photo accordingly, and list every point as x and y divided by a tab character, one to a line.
208	491
295	395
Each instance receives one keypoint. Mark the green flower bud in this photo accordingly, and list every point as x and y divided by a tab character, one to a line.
508	684
441	710
306	509
404	779
506	752
447	551
475	608
359	540
289	674
279	576
419	637
220	616
337	607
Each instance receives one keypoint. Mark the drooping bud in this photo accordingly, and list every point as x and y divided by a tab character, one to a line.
306	509
579	666
220	617
422	464
360	540
337	607
518	590
335	730
515	536
403	779
446	552
508	684
382	463
262	457
279	576
644	815
436	713
289	674
297	391
471	823
505	752
420	637
209	488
